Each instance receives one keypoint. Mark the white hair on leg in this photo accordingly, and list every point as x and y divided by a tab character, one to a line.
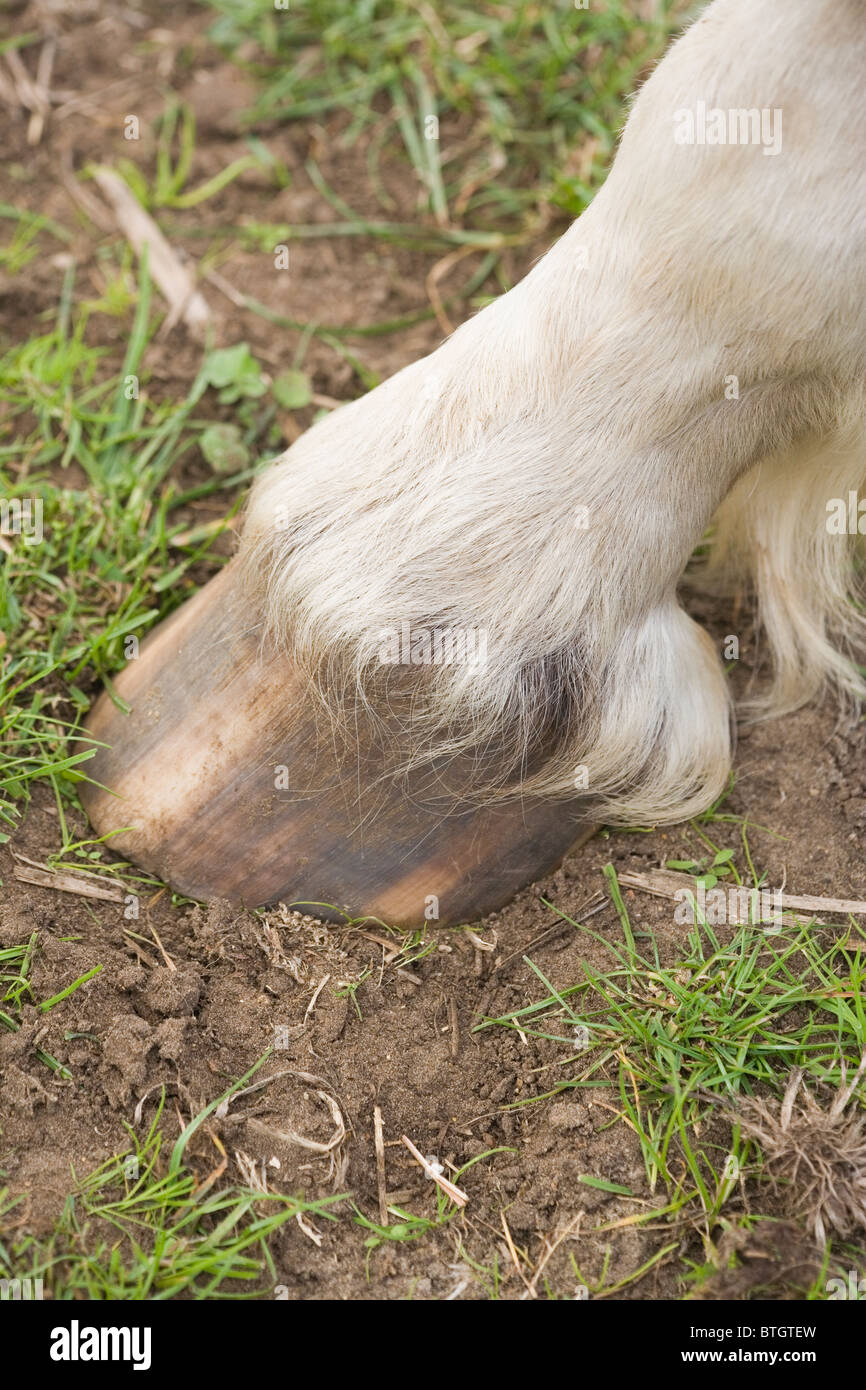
543	477
775	534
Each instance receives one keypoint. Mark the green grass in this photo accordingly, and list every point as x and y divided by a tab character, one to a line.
139	1227
15	965
734	1012
174	158
529	97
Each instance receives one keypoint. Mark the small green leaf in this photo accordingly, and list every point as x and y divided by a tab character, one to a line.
168	581
224	448
292	390
605	1186
235	373
708	880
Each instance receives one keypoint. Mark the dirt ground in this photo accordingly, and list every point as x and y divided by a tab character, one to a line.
402	1039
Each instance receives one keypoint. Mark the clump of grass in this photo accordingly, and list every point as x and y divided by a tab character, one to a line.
815	1154
529	97
687	1042
139	1227
15	966
168	189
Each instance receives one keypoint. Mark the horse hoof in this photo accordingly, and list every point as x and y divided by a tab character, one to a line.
220	782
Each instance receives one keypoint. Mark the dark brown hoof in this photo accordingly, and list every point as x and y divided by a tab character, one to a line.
224	786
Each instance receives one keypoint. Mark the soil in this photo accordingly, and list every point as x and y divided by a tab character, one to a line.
352	1026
